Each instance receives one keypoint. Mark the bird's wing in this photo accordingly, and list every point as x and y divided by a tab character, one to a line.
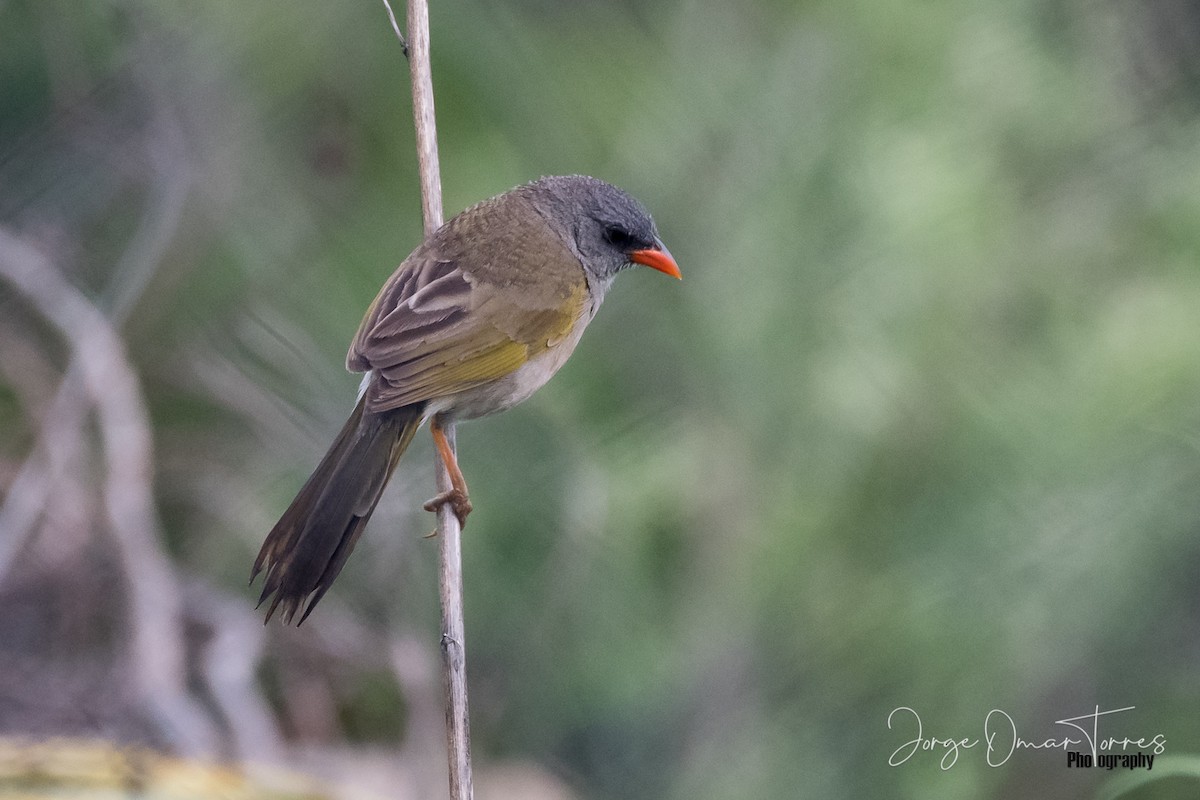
461	312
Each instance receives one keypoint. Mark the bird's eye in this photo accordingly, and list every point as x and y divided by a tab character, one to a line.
618	237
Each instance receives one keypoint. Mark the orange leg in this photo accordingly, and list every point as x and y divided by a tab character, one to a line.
456	495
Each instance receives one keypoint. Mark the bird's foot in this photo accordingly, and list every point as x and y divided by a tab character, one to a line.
458	501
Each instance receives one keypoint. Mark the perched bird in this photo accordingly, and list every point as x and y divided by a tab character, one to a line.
474	321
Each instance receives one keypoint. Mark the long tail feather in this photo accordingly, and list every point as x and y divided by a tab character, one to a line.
307	548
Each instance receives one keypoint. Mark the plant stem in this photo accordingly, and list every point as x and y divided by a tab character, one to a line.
458	730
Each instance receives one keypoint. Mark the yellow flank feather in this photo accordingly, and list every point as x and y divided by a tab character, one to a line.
494	362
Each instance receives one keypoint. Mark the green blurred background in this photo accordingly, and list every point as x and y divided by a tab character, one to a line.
919	428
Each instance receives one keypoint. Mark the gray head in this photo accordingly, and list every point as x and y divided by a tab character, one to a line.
607	229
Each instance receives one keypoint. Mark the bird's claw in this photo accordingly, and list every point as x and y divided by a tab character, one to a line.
458	501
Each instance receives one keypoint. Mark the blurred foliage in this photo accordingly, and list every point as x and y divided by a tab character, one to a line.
919	428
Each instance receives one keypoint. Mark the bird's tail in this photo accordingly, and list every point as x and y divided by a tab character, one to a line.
306	549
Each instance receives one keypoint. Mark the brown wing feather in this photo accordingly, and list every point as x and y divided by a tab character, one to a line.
459	312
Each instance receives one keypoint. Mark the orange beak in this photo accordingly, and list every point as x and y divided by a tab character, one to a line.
657	257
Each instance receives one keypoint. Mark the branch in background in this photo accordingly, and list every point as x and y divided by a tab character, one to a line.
56	444
156	647
229	665
458	730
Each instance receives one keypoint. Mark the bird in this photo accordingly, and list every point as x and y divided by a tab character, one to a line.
477	318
